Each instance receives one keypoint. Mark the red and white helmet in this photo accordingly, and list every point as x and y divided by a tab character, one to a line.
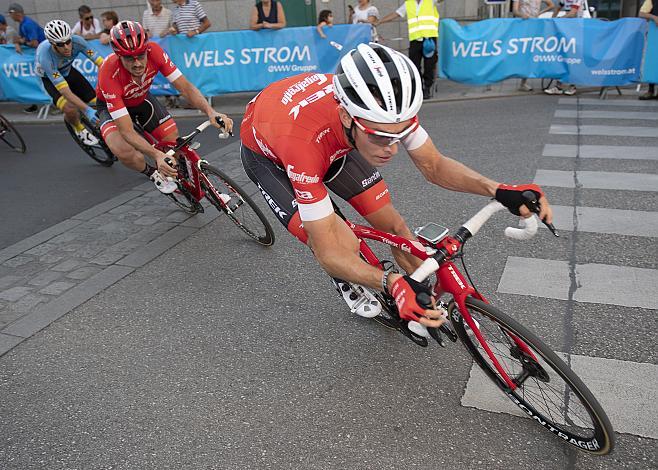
128	38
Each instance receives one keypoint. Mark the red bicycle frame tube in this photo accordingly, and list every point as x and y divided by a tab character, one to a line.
192	183
449	280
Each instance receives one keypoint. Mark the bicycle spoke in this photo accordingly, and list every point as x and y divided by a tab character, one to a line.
546	389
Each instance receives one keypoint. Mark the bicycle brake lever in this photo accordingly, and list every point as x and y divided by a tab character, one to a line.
224	134
533	206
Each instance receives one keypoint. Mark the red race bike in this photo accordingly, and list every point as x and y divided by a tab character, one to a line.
535	378
197	179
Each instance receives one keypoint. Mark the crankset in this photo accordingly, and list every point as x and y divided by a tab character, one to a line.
531	368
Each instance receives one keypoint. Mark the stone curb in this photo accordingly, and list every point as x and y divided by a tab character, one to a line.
43	315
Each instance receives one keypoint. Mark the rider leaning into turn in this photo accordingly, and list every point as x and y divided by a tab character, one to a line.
311	132
123	96
69	89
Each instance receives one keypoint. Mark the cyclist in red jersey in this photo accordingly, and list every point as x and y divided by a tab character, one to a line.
311	132
123	94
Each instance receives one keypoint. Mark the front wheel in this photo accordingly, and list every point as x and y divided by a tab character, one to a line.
11	136
546	390
240	208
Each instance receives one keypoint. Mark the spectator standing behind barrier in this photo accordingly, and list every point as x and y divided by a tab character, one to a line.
88	27
325	18
156	19
350	14
7	33
30	34
526	9
573	9
649	11
189	18
364	12
268	14
423	22
109	19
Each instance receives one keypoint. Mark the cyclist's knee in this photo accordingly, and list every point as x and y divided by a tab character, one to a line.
70	110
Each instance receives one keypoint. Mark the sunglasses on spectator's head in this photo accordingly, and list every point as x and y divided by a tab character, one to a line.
62	44
386	139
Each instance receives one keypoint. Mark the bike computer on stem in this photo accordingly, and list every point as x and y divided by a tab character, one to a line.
431	232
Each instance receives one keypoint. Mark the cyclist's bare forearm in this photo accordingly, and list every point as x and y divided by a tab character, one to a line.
337	250
456	176
450	174
192	94
136	140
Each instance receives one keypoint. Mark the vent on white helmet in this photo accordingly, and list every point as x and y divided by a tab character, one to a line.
377	83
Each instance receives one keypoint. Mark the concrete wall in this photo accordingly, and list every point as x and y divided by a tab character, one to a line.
234	14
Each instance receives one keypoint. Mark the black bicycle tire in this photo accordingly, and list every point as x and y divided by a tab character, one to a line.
268	238
10	126
109	158
603	432
193	208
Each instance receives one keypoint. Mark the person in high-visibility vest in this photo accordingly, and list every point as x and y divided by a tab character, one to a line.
423	22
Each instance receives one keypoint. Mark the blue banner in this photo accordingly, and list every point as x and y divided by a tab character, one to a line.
215	63
577	51
250	60
650	72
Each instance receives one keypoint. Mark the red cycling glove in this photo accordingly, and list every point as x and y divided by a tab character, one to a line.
404	291
510	195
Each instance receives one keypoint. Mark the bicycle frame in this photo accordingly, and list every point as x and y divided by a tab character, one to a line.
449	280
191	176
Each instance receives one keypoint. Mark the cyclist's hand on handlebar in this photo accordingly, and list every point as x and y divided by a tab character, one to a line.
512	197
224	122
91	115
163	167
404	290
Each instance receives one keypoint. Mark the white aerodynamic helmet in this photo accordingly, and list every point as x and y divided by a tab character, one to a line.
57	31
377	83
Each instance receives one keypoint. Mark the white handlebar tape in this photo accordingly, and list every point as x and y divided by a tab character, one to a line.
526	232
425	270
204	125
476	222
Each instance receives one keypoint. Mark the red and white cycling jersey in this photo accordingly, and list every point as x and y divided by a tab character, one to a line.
295	123
119	89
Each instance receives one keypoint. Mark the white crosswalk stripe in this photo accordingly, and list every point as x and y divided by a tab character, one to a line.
628	391
620	152
596	283
602	220
606	103
615	131
639	115
598	180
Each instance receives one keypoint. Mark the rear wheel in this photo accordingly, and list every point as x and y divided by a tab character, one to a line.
241	209
10	136
547	390
101	152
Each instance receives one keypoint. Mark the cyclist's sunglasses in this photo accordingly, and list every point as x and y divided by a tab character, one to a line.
386	139
62	44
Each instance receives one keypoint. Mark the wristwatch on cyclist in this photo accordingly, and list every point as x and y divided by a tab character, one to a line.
387	271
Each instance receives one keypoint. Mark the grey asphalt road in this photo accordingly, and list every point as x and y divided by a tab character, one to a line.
54	179
222	354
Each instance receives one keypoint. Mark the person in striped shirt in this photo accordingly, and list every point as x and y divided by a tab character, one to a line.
189	18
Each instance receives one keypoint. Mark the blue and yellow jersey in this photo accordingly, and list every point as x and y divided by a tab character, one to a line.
56	67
